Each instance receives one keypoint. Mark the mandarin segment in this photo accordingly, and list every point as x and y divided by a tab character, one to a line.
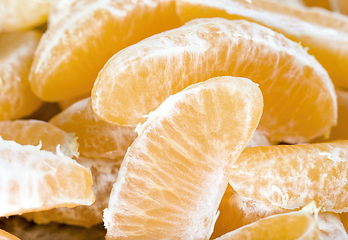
293	176
294	85
323	32
18	15
173	176
16	55
339	6
288	226
104	173
96	138
35	180
340	131
73	51
61	9
237	211
331	227
33	132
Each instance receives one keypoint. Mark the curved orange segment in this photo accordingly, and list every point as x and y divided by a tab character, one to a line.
294	85
173	176
323	32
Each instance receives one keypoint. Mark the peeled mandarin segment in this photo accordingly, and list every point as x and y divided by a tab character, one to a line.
288	226
323	32
35	180
104	173
6	236
340	6
293	176
61	9
237	211
173	176
32	132
18	15
72	52
331	227
96	138
16	55
295	86
340	131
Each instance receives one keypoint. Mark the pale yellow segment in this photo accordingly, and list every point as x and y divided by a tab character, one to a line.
60	9
104	173
16	55
287	226
340	131
75	49
173	176
292	176
19	15
295	86
35	180
331	227
339	6
237	211
34	132
323	32
96	138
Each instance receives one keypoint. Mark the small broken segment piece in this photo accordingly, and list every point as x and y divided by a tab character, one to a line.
35	180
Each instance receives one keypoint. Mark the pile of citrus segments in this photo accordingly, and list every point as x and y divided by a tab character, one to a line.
173	119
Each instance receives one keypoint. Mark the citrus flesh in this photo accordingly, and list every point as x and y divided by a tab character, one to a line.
104	173
295	87
331	227
237	211
33	132
96	138
339	6
17	15
173	176
287	226
6	236
72	52
323	32
16	54
35	180
340	131
61	9
292	176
